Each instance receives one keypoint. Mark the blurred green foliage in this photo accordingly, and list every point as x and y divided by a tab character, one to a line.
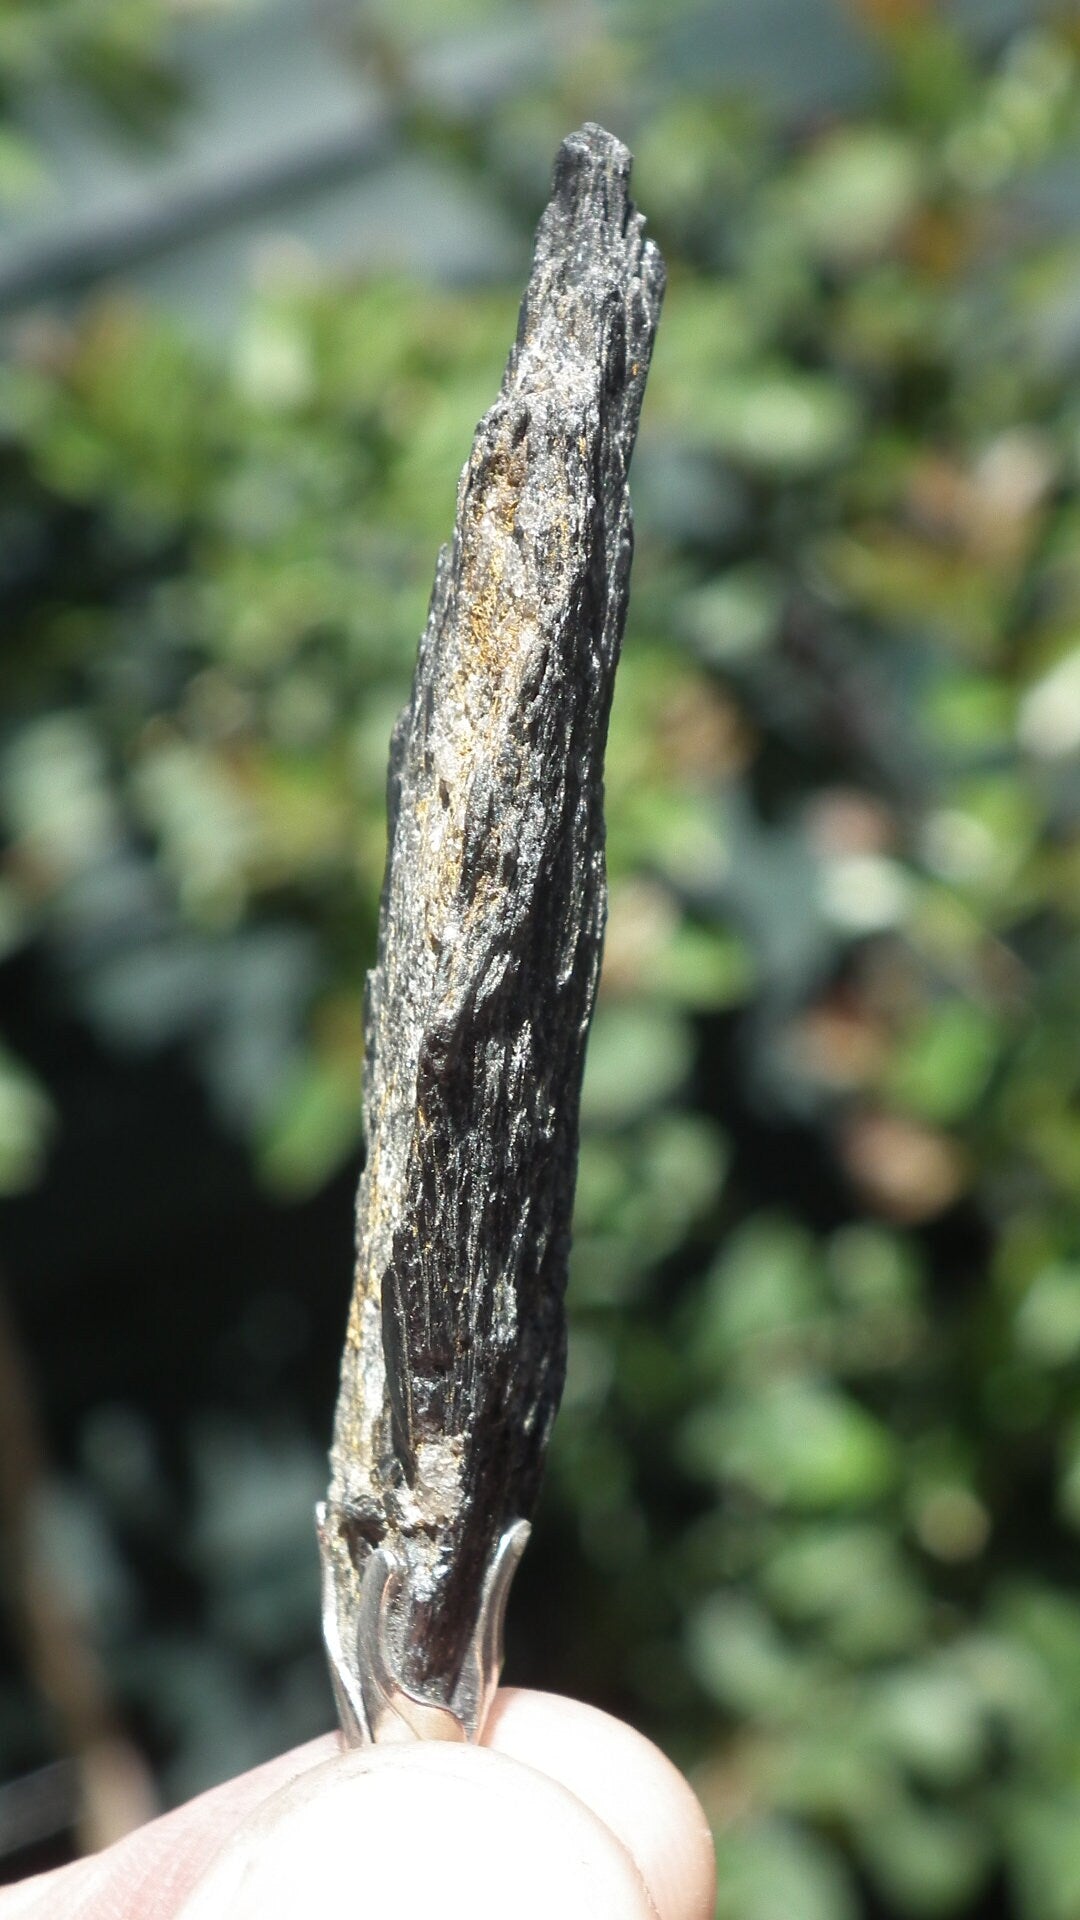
820	1451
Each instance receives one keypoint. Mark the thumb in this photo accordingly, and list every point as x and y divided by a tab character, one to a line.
464	1832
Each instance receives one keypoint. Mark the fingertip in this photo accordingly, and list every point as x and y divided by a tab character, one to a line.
460	1831
626	1781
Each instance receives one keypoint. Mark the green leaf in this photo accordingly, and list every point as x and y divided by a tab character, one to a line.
928	1860
702	968
745	1663
774	1868
941	1069
930	1718
638	1057
795	1444
1048	1317
849	1583
855	189
736	615
23	176
313	1128
762	1297
784	424
1044	1848
26	1121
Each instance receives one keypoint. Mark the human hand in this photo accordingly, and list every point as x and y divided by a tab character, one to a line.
561	1812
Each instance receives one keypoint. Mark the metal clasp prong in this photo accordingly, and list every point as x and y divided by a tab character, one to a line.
374	1704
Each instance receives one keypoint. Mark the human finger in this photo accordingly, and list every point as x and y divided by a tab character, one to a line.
612	1772
148	1875
461	1831
628	1782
